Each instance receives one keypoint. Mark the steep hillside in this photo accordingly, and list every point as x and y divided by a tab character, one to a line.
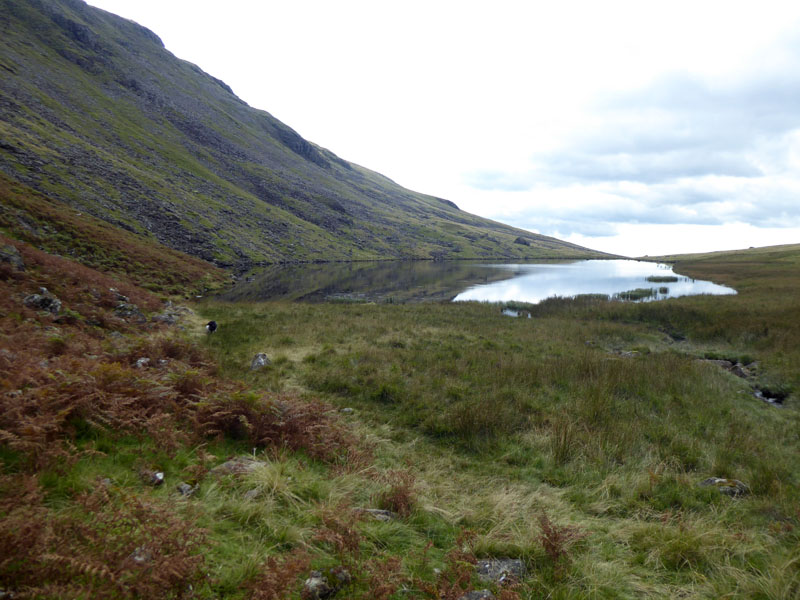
95	112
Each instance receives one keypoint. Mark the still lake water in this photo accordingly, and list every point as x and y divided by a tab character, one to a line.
535	282
416	281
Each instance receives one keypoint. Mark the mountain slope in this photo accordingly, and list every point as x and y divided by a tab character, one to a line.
95	112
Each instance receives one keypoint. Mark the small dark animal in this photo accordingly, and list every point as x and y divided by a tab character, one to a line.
211	327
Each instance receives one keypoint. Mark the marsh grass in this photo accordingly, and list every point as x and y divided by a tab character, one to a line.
598	411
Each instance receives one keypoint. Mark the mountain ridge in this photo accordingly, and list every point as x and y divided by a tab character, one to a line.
97	113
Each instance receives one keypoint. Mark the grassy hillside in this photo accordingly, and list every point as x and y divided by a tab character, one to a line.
94	112
58	229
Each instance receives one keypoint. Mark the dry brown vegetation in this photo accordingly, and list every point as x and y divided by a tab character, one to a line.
63	375
59	229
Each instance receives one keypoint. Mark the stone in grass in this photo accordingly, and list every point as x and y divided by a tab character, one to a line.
184	489
500	570
730	487
379	514
259	361
477	595
320	586
237	466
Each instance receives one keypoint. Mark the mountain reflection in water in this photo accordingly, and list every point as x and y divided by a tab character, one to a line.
418	281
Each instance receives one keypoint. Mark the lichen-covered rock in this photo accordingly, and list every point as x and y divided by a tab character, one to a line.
259	361
316	587
729	487
237	466
44	300
500	570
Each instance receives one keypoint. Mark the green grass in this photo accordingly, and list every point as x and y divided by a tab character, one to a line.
598	412
574	440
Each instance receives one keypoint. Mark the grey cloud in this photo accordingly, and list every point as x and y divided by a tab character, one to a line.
648	167
678	127
681	151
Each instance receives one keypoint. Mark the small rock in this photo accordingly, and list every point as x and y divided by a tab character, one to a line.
251	494
105	482
316	587
184	489
729	487
259	361
501	570
478	595
44	300
236	466
347	411
378	513
142	362
9	254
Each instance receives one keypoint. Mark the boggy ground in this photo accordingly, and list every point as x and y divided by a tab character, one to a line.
574	440
603	416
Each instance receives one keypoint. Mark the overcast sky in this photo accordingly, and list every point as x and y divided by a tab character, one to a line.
631	127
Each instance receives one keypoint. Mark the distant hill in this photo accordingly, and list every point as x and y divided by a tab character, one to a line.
96	113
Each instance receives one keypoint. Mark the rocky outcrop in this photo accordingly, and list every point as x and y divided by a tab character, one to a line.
44	300
10	255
